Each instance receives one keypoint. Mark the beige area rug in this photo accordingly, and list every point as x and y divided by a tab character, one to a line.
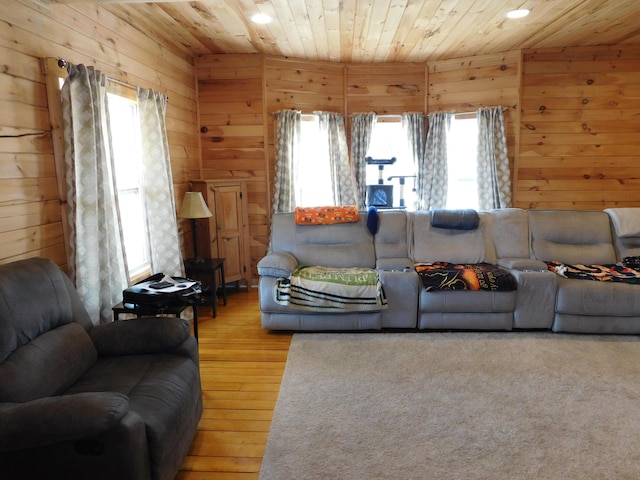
457	406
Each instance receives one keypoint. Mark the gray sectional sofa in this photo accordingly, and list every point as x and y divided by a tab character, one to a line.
520	241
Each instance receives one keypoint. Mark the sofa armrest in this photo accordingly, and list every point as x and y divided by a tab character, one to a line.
50	420
277	264
140	336
522	264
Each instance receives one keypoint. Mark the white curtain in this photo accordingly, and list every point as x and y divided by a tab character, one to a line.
342	176
494	177
415	125
432	170
361	129
286	149
158	191
97	262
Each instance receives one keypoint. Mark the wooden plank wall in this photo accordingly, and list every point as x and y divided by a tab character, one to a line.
233	133
579	135
466	84
387	89
100	36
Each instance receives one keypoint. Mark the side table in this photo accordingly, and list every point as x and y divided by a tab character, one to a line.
209	266
138	311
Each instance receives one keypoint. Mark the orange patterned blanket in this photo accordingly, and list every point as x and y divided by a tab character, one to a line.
326	215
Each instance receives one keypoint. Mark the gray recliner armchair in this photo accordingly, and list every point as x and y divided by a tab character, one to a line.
77	401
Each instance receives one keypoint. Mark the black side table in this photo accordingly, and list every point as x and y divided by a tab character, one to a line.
209	266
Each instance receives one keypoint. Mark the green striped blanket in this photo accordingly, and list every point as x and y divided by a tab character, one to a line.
330	289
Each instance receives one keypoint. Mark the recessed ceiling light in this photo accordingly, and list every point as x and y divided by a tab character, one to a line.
518	13
261	18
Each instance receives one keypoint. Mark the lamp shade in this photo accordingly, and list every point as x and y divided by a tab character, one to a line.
194	206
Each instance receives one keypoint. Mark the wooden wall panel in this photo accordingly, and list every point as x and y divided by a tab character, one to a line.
579	128
233	112
389	89
30	208
305	86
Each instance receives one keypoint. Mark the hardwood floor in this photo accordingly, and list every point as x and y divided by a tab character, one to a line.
241	366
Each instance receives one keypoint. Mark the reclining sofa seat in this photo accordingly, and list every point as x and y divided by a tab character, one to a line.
585	237
339	245
459	309
77	401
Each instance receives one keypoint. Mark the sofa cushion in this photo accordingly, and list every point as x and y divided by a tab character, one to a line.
571	236
20	284
510	230
164	390
48	365
391	239
338	245
466	301
584	297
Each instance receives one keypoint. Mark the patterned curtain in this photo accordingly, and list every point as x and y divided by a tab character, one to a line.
286	149
361	129
97	262
494	177
158	184
415	126
432	170
342	176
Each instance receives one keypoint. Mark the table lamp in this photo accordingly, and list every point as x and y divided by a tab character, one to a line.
194	207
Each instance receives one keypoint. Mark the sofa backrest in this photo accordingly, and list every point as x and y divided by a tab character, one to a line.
625	224
431	244
510	230
571	236
44	344
339	245
390	239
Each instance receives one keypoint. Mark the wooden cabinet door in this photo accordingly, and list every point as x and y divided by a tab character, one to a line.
230	226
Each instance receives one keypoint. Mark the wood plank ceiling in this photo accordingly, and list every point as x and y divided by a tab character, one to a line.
379	30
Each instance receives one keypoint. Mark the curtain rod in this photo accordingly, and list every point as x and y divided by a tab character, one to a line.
62	63
390	115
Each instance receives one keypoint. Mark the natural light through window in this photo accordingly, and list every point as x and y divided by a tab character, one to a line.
389	140
123	117
462	146
312	171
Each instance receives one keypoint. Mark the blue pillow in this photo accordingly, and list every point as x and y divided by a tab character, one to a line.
372	220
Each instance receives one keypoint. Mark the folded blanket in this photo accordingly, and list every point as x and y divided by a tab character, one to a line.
328	289
478	276
626	221
465	219
326	215
601	273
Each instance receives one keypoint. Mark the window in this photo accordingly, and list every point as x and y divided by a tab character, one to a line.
462	148
313	171
388	140
125	140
